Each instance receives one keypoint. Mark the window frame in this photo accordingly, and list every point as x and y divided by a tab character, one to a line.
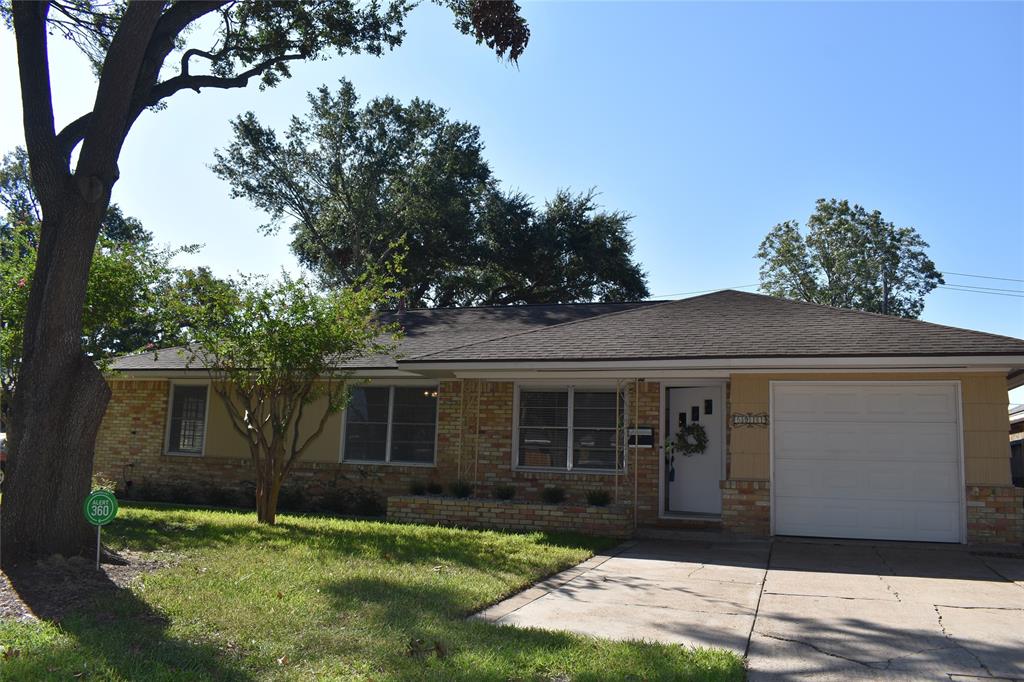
391	420
170	416
571	388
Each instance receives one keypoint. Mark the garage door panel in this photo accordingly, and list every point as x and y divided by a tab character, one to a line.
883	442
918	403
851	480
861	460
932	522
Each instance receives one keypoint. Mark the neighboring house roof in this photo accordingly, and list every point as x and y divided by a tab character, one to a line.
733	324
723	325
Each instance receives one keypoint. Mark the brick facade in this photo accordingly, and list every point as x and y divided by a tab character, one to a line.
746	507
612	521
994	514
474	444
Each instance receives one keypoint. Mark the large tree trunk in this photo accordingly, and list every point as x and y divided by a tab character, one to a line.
60	396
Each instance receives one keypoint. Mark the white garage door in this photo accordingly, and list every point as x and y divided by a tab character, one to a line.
876	460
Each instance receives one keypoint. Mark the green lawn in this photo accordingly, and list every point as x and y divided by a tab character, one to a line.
316	598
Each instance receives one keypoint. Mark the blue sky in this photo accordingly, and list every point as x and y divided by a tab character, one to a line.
708	122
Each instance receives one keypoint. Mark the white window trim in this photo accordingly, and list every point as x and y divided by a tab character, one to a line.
391	411
170	413
571	388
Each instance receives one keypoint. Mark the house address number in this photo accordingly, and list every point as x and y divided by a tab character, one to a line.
750	419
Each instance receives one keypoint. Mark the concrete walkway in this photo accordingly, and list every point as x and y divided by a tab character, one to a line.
799	610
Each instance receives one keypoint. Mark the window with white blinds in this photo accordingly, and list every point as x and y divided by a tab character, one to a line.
569	428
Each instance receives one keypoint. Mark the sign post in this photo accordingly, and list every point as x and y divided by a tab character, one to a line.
100	509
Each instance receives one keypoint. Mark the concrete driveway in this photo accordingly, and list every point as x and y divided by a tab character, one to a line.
799	610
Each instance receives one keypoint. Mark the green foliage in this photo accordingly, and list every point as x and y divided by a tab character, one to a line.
349	179
461	489
418	488
275	353
125	302
849	258
130	279
599	498
330	599
504	492
553	495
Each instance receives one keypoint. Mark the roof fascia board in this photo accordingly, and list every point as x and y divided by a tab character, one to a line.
988	363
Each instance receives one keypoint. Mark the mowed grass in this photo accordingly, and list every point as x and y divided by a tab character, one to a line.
329	599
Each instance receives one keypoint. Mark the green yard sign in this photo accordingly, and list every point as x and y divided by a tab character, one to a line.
100	507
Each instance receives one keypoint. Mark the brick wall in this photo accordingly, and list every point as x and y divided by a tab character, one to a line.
994	514
746	507
474	444
612	521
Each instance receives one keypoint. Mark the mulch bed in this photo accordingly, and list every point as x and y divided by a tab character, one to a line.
51	588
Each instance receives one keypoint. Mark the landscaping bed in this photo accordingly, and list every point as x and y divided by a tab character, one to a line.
613	521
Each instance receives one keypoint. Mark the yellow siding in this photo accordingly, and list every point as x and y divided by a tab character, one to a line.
223	441
985	420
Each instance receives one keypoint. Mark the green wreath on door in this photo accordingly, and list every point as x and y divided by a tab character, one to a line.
690	440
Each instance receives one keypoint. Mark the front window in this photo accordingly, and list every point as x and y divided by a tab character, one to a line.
187	429
569	428
395	424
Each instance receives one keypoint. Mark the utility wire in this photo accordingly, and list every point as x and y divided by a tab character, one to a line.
975	291
983	289
964	274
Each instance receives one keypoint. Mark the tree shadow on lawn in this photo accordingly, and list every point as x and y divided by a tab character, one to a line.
490	551
429	637
113	632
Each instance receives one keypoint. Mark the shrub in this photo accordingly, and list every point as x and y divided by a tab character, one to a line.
461	489
290	498
417	488
366	502
504	492
100	483
553	495
222	497
599	498
336	501
434	488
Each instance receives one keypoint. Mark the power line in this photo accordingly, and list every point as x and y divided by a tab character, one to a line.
983	289
964	274
704	291
975	291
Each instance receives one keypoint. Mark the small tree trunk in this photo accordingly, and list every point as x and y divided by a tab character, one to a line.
60	398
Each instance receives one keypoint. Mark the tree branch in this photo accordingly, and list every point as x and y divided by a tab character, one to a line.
108	125
171	86
48	172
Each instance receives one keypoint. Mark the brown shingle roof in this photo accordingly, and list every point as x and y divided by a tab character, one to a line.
428	331
731	324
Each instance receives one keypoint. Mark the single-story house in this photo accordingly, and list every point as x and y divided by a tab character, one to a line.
818	421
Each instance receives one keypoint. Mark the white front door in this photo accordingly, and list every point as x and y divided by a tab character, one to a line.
874	460
692	482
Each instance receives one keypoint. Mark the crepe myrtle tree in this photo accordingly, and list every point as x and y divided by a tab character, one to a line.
274	353
143	53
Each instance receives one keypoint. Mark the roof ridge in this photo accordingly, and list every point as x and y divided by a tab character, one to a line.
517	306
911	320
654	304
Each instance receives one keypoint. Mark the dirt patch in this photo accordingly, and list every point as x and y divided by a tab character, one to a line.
54	587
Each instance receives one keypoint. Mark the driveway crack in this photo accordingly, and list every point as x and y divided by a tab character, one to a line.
757	607
819	650
950	637
885	582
